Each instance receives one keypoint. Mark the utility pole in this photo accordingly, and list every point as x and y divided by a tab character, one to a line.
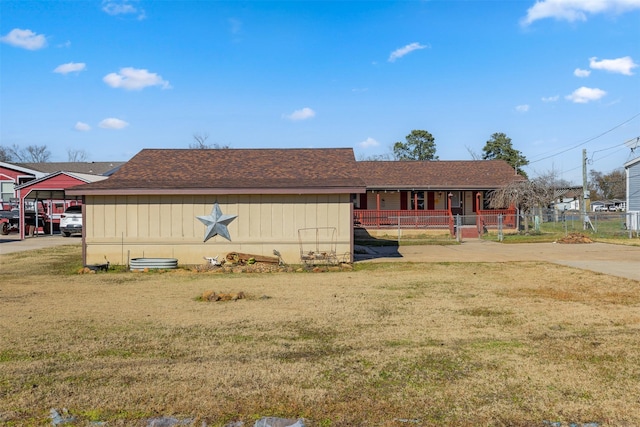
585	192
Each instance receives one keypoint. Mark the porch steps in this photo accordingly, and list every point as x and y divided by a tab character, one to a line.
469	232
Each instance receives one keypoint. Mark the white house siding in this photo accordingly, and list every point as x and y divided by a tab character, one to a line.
633	185
124	227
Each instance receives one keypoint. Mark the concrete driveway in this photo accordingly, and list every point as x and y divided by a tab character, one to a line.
616	260
12	243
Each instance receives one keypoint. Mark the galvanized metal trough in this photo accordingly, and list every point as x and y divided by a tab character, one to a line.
141	264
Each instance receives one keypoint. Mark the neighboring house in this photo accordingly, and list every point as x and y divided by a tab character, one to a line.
567	199
425	194
15	174
47	195
12	175
632	171
151	206
599	206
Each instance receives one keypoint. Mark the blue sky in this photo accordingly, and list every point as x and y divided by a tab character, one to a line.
114	77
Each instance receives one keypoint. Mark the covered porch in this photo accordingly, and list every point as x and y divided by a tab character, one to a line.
429	210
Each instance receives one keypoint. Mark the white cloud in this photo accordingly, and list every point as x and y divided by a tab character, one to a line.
586	94
135	79
25	39
368	143
619	65
303	114
399	53
576	10
122	7
113	123
579	72
71	67
82	127
522	108
550	98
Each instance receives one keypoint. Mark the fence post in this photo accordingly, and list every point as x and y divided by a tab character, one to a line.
500	231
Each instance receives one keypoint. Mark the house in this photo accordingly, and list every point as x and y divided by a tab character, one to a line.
632	172
188	204
567	198
47	196
14	176
427	194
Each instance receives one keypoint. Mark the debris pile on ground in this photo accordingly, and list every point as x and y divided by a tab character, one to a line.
236	262
214	296
575	238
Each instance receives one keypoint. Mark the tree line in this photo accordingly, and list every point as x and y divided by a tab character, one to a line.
418	145
36	154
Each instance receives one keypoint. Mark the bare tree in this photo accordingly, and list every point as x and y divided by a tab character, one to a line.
474	155
76	155
524	194
376	157
200	143
28	154
5	154
608	186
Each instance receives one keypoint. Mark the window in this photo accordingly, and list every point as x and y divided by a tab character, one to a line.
6	190
419	198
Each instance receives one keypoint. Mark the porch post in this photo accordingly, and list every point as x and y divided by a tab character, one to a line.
479	221
449	197
378	209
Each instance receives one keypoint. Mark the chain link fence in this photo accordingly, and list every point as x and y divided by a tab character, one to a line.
602	224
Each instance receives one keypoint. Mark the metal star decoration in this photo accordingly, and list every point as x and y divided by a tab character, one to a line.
216	223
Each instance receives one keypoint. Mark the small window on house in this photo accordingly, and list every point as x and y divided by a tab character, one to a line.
6	190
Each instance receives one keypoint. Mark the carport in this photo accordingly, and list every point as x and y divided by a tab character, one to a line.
48	189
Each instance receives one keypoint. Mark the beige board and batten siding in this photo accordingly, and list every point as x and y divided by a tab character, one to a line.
122	227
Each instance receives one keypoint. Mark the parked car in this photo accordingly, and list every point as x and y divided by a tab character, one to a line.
9	220
71	221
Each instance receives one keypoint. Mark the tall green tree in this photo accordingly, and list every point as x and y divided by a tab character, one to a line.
500	147
418	145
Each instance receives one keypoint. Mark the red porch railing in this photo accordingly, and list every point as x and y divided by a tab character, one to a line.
403	218
489	218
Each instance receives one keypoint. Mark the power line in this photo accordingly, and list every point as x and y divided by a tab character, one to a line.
585	141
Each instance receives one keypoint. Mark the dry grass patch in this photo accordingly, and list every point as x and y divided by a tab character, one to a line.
442	343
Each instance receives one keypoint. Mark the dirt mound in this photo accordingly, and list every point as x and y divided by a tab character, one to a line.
575	238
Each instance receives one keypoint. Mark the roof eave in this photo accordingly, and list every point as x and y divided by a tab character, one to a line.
212	191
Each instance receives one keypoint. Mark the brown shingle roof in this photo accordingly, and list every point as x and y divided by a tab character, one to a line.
245	171
459	174
92	168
